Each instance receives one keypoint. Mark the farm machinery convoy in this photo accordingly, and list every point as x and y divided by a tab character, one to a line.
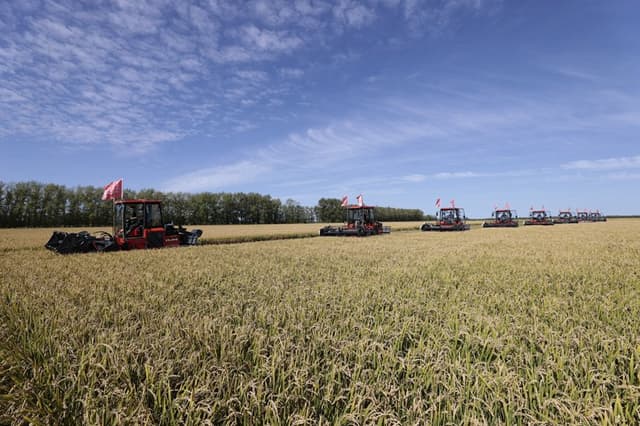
137	224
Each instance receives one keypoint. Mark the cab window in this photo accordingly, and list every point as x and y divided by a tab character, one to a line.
154	216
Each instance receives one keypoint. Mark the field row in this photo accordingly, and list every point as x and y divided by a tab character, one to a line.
35	238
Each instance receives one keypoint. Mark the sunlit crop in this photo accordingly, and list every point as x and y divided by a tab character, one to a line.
490	326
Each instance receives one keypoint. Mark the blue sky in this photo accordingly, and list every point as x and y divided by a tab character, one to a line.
534	103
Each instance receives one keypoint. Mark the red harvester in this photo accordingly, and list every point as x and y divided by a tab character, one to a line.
502	218
448	219
137	224
539	217
597	217
565	216
583	216
360	223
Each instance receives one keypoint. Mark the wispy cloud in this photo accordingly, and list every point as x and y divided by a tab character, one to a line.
604	164
456	175
623	176
426	17
414	178
217	178
144	73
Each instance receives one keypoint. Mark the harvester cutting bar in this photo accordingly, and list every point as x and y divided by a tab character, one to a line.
81	242
443	228
332	231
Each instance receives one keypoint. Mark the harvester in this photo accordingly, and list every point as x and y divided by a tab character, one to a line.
597	217
583	216
448	219
502	218
565	216
539	217
360	222
137	224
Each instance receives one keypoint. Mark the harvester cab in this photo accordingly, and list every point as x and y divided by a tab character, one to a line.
539	217
360	222
137	224
565	216
502	218
448	219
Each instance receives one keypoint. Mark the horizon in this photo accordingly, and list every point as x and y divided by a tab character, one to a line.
534	104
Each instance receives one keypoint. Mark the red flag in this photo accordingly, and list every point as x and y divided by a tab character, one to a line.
453	203
507	206
113	191
345	201
438	203
360	200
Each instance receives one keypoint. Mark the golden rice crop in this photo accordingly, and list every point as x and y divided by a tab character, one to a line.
509	326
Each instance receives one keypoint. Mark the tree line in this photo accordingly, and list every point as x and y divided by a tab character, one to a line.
35	204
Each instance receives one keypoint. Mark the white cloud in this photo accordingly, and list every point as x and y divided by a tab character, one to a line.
456	175
623	176
291	72
266	40
217	178
604	164
353	14
415	178
427	17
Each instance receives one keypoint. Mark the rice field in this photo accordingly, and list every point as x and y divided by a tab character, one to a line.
533	325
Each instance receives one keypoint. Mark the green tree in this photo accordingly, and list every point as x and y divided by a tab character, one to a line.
329	210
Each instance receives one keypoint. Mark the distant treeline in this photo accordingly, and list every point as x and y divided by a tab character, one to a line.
34	204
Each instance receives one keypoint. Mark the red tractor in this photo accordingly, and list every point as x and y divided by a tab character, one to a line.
502	218
360	223
137	224
539	217
565	216
448	219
